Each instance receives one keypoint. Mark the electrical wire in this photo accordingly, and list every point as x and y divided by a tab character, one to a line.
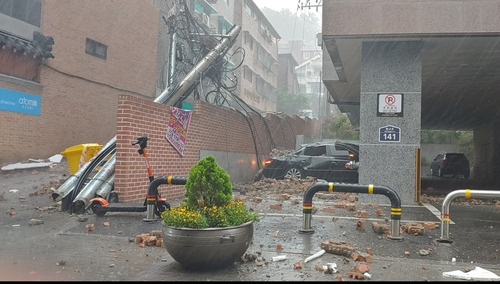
219	82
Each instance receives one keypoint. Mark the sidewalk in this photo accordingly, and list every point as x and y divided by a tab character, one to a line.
61	249
416	257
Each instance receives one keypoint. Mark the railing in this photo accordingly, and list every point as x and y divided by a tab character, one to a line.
153	189
345	187
445	210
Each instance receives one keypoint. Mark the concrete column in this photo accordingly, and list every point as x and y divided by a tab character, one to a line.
390	67
486	158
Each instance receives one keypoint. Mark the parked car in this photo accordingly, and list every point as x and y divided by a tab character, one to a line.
335	161
454	164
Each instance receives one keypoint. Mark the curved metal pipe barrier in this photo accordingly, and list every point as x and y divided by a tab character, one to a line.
153	191
445	210
356	188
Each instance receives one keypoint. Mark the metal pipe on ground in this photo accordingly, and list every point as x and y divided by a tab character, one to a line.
106	189
355	188
88	192
64	189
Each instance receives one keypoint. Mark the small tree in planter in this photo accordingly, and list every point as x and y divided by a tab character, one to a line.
208	185
208	229
208	200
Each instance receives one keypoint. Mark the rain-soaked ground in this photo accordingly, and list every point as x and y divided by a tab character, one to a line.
473	233
62	248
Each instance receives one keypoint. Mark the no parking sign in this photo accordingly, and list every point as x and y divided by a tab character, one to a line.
390	105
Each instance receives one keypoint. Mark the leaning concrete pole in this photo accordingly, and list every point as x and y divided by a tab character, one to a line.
172	95
175	93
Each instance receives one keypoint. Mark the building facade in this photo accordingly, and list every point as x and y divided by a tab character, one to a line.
54	99
259	72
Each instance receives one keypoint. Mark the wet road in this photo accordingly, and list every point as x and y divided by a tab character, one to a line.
62	249
418	257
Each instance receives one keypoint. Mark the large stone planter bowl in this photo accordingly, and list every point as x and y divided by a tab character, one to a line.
207	248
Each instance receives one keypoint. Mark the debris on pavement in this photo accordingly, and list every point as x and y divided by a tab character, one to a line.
336	247
34	163
477	273
330	268
33	222
279	257
316	255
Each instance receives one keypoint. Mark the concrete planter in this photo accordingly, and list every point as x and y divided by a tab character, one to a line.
207	248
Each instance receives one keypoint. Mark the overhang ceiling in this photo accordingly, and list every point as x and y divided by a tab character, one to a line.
460	79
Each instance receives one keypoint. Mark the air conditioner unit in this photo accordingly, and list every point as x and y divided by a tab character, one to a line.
206	19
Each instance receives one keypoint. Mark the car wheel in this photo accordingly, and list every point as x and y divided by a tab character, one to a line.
294	173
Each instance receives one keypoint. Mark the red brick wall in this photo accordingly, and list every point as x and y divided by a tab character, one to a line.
212	128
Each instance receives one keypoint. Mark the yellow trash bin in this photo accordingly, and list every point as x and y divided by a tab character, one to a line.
80	154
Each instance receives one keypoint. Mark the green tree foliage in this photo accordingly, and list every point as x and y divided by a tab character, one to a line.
339	127
437	137
464	139
208	184
290	104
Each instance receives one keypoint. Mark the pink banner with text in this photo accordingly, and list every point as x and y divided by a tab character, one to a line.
178	127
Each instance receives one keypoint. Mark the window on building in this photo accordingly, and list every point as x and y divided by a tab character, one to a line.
96	49
249	10
264	57
259	85
307	55
247	74
28	11
249	40
269	90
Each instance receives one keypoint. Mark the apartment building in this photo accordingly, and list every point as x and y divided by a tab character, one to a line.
258	73
288	54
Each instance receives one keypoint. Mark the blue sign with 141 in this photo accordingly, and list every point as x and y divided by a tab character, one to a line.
389	133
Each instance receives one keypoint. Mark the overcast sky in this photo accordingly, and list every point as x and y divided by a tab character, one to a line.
277	5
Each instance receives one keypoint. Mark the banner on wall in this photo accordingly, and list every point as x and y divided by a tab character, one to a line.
178	127
15	101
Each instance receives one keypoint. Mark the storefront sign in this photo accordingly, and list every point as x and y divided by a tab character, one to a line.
16	101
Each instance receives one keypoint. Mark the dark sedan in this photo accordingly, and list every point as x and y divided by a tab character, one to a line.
454	164
331	161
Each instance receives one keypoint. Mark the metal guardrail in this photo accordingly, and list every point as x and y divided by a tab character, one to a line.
153	190
356	188
445	210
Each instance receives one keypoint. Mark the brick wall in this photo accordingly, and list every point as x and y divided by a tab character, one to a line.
212	128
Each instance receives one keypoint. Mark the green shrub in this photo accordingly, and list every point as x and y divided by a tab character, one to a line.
208	200
208	185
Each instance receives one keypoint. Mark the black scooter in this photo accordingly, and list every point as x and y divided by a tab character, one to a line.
154	204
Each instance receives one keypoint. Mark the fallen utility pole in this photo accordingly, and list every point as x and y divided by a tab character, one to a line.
173	95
